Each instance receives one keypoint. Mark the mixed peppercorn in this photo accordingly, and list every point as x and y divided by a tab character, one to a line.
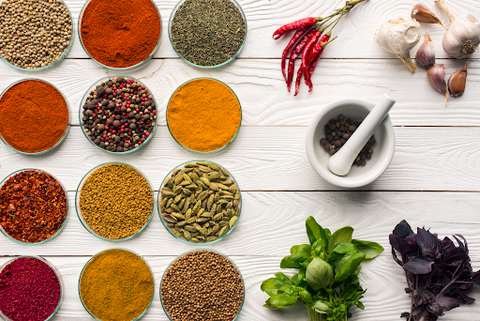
119	115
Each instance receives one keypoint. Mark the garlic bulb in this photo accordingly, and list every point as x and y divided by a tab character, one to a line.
463	36
457	81
425	55
399	36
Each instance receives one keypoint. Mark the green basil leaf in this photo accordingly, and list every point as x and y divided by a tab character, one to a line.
319	274
371	249
268	304
307	262
298	278
283	300
340	250
271	286
328	234
314	230
305	296
301	250
282	277
349	292
292	261
343	235
349	266
302	274
319	248
322	307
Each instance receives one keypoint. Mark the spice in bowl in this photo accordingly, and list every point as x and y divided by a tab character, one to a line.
116	285
30	290
207	33
120	34
35	34
199	202
204	115
34	116
33	206
337	133
202	286
119	115
114	201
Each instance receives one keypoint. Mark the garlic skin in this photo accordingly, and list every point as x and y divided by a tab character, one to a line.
457	81
423	14
462	38
425	55
399	36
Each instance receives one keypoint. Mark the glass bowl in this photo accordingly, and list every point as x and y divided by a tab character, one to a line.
64	219
91	261
54	269
66	129
133	67
212	151
82	219
59	59
200	66
87	94
202	250
162	210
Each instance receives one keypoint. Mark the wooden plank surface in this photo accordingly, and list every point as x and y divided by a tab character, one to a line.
433	180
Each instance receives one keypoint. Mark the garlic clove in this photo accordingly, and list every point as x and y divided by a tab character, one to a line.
425	55
423	14
457	81
399	36
436	77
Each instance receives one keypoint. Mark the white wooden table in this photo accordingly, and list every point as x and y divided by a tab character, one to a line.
433	180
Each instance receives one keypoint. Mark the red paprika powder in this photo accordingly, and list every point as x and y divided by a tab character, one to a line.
120	33
33	116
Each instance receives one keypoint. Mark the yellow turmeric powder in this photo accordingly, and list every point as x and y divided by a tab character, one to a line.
204	115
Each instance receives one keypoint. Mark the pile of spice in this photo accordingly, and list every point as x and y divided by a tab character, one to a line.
115	201
116	285
34	33
338	131
29	290
204	115
119	115
202	286
34	116
33	206
200	202
207	32
118	33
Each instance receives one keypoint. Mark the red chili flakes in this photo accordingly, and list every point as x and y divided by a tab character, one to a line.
33	206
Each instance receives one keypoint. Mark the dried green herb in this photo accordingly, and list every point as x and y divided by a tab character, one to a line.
207	32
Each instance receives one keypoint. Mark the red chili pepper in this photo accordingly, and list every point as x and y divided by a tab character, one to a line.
310	21
314	61
296	51
301	32
298	80
306	51
319	46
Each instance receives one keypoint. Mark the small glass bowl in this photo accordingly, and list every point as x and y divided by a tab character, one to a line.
139	65
199	250
91	259
159	209
64	220
57	273
213	151
60	141
84	99
200	66
85	224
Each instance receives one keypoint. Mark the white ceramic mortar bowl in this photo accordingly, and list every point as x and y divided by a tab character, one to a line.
383	150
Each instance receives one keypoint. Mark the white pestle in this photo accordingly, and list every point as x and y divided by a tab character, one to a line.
341	163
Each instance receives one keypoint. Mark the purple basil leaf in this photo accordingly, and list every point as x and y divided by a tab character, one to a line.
456	255
428	243
403	229
419	265
462	297
403	246
460	244
435	308
447	303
